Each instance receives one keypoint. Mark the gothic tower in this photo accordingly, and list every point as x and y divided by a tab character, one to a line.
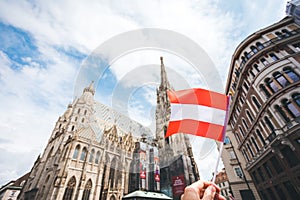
175	152
83	159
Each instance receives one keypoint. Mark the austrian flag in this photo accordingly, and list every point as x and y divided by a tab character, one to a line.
198	112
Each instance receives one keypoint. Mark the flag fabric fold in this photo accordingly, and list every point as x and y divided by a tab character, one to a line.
198	112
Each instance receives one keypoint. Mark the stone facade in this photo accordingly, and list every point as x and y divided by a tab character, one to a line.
91	153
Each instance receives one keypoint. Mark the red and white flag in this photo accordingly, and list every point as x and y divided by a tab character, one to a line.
198	112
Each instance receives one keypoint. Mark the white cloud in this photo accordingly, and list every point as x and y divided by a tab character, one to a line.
32	98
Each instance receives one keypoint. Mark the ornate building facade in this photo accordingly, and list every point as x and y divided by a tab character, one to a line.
93	151
263	140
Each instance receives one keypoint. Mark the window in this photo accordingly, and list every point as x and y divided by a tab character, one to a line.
286	33
92	156
246	86
97	157
264	61
265	91
78	111
87	190
281	113
253	49
245	124
241	130
291	108
249	148
256	67
271	85
290	156
237	137
262	177
269	124
279	35
70	189
85	112
276	165
232	154
83	154
238	172
72	129
280	79
257	104
82	120
259	45
288	71
75	119
254	143
268	170
75	155
260	137
273	56
296	98
249	115
245	155
297	46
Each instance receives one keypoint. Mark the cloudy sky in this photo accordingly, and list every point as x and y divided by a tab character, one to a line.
43	45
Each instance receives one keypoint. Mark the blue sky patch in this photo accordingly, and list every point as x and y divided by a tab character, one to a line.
18	45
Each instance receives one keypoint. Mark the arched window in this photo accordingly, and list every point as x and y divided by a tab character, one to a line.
75	155
254	142
260	137
265	91
271	85
257	104
249	148
296	99
279	35
286	33
249	116
291	108
70	189
237	137
280	79
259	45
92	156
245	124
83	154
97	157
281	113
273	56
264	61
288	71
241	130
245	155
253	49
256	67
247	55
111	177
87	190
269	124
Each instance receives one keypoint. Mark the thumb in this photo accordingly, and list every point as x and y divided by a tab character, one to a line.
209	193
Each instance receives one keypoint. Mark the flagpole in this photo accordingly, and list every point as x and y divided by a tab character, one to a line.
216	169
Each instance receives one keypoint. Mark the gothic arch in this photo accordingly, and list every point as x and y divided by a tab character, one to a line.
70	189
87	190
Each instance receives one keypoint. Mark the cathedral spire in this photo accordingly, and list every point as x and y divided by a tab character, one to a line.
164	83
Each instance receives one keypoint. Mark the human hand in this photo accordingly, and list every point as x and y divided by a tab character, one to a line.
202	190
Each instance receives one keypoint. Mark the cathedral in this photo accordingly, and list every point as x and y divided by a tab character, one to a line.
96	153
